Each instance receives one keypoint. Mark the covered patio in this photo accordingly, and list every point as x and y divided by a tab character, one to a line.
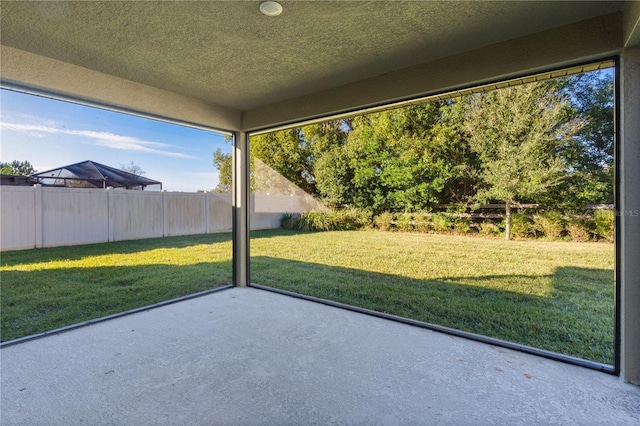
248	356
205	361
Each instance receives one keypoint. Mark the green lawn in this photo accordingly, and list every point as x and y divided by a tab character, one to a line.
552	295
48	288
557	296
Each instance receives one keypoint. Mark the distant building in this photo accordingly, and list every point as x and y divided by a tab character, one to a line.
89	174
16	180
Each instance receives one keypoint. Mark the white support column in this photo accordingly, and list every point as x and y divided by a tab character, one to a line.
241	208
629	216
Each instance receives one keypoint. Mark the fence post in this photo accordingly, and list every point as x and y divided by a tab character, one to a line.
37	207
110	214
206	212
165	219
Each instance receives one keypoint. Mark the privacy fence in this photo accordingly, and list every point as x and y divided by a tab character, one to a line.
46	217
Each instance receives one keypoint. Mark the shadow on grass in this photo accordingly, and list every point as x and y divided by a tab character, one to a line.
575	318
40	255
573	315
37	301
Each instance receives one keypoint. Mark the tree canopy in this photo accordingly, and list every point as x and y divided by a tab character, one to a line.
133	168
222	162
518	133
15	167
548	142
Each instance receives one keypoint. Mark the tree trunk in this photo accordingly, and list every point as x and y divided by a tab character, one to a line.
507	219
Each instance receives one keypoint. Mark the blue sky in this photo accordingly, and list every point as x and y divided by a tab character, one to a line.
50	133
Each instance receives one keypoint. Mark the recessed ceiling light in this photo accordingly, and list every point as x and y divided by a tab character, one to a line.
271	8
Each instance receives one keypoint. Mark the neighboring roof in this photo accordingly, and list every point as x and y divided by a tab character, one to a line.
16	180
96	174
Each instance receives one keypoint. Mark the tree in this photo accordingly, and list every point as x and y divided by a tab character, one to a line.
334	177
589	156
21	168
132	168
518	133
288	153
223	162
407	159
283	151
549	142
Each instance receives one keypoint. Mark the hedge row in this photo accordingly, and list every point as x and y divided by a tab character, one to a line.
550	225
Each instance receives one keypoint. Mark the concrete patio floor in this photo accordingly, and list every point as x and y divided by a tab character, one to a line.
245	356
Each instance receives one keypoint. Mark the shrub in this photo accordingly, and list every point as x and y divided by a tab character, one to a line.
422	223
462	225
521	226
289	221
441	223
384	221
488	229
312	221
604	220
404	222
579	230
347	220
339	220
551	224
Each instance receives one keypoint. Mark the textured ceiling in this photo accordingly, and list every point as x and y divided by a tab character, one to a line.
227	53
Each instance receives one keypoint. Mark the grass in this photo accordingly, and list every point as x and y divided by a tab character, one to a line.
557	296
552	295
44	289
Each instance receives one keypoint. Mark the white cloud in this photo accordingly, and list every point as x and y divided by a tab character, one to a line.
105	139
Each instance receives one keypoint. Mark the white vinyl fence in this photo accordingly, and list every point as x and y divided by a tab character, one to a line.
47	217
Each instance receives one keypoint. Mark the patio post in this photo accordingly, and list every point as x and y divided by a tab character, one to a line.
241	206
629	215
